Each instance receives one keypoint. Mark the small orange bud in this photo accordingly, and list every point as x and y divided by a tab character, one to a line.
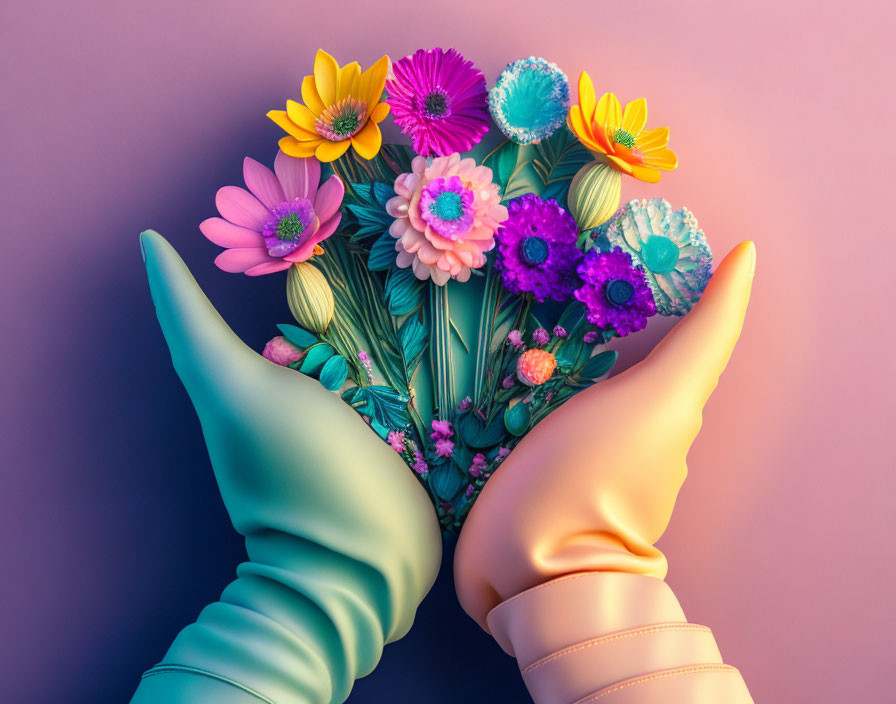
535	367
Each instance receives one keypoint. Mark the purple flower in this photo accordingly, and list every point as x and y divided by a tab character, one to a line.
541	336
515	338
466	404
537	250
589	337
440	100
364	358
469	492
479	464
420	466
615	293
560	332
444	447
441	429
396	440
446	205
508	381
503	452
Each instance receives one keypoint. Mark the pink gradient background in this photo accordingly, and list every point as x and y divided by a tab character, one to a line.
119	115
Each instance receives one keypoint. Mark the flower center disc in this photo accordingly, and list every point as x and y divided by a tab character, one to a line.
435	104
290	227
625	138
659	254
533	251
341	120
447	206
619	292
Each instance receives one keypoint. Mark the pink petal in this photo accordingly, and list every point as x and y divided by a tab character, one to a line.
262	182
241	208
298	176
268	268
226	234
328	228
329	198
241	259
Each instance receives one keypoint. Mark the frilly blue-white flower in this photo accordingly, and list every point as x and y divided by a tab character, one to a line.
670	246
529	101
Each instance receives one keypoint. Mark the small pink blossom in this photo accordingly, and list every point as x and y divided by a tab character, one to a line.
560	332
503	452
444	448
420	466
466	404
396	440
469	492
281	351
541	336
589	337
441	429
515	338
508	381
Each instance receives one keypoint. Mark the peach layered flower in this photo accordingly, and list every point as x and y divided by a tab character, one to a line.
621	137
446	214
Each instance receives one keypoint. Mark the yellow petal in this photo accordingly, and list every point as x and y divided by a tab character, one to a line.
608	113
368	141
349	79
300	115
645	173
311	97
664	159
587	98
331	151
379	112
620	164
582	129
634	119
373	81
293	147
326	77
652	139
280	118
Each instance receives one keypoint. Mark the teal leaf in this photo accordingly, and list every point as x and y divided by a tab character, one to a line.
503	162
299	337
599	364
334	373
404	291
365	209
315	358
412	337
475	433
384	406
558	159
445	480
517	419
382	253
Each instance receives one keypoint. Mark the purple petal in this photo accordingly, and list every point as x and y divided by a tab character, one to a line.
299	177
226	234
262	182
240	259
329	198
268	268
241	208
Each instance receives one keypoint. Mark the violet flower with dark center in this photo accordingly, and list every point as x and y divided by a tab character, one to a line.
537	250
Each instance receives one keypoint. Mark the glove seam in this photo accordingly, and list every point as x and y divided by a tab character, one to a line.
164	669
664	674
611	637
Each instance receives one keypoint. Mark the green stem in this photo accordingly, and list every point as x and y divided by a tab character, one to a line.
440	355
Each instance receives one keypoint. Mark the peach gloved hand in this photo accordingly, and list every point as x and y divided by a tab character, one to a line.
557	559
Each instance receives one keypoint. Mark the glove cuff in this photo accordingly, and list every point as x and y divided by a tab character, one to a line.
612	637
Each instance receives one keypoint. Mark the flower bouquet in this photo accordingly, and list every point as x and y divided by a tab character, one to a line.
456	290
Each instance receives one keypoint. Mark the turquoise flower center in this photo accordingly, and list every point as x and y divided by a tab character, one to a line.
625	138
447	206
619	291
435	104
659	254
534	251
290	227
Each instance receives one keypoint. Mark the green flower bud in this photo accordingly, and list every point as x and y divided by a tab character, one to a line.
594	194
310	297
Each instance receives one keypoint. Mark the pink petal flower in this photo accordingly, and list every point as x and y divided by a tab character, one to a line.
241	208
236	261
226	234
329	198
298	177
268	268
262	182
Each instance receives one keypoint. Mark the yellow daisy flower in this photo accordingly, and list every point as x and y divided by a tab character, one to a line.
620	136
342	109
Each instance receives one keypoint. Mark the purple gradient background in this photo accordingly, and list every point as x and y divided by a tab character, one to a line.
117	116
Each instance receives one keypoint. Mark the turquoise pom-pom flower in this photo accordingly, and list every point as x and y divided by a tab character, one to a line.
530	100
671	248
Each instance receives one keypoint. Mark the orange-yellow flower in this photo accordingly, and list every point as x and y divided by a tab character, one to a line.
342	109
620	136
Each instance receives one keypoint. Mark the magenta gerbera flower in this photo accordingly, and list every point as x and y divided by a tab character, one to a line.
280	220
537	250
440	100
615	292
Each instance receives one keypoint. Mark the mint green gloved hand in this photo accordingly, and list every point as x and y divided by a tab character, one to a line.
343	541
